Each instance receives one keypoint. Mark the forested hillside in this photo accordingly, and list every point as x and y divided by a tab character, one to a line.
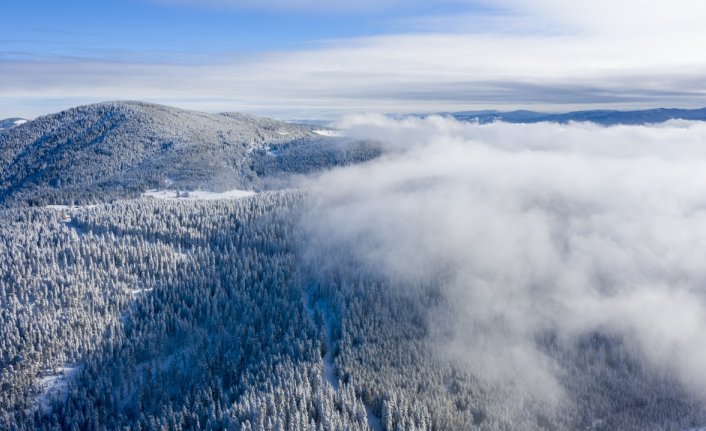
341	304
200	315
102	152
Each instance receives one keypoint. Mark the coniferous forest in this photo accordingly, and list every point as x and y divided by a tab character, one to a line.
125	312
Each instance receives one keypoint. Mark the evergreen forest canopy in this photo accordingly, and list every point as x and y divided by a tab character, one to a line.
413	274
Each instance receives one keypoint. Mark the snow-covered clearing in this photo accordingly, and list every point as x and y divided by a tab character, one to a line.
53	384
374	422
70	207
134	293
329	368
197	194
271	151
69	211
18	122
332	133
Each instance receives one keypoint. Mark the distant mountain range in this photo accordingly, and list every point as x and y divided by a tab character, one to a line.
603	117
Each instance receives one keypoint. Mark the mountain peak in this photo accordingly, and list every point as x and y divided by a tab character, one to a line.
121	148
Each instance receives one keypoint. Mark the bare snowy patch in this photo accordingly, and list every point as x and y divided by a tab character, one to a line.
198	194
69	211
134	293
330	133
70	207
53	385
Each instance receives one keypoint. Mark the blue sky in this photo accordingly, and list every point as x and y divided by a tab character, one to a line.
316	58
103	29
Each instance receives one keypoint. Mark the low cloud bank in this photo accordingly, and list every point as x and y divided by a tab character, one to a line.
530	229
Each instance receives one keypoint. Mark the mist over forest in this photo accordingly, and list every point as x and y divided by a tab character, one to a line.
532	229
406	273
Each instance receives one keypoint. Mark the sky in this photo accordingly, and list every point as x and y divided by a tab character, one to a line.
320	59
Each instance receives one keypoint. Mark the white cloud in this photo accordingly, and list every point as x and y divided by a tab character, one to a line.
401	73
533	228
565	56
624	17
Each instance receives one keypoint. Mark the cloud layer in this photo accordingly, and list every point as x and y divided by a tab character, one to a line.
530	229
542	54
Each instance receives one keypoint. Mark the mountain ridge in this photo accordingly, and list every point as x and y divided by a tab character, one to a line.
602	117
99	152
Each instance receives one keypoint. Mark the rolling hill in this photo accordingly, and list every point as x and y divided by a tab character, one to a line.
101	152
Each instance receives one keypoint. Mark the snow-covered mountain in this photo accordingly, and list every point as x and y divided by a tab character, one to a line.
453	284
9	123
111	150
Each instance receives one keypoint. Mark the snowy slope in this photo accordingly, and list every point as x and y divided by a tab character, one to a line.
197	194
9	123
101	152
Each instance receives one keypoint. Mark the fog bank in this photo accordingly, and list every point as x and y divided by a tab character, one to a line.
531	229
